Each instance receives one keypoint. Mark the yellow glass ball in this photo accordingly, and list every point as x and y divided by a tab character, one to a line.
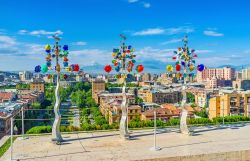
123	54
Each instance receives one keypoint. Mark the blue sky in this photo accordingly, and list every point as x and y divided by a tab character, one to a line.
218	30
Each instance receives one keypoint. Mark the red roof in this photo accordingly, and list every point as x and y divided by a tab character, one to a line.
159	112
6	95
171	107
3	114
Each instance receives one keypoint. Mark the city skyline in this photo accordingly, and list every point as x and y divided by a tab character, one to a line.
92	28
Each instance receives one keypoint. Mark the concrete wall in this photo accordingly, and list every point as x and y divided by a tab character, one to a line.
224	156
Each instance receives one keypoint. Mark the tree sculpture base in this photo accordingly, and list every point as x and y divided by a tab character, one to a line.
123	122
183	122
123	129
56	134
184	113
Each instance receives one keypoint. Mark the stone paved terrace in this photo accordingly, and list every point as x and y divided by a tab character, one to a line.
108	146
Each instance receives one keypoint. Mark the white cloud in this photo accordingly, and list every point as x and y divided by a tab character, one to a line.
22	32
40	32
146	5
79	43
154	54
247	51
167	31
151	31
212	33
177	30
142	3
86	57
6	41
35	49
132	1
171	41
203	51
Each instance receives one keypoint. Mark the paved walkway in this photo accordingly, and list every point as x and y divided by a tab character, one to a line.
108	145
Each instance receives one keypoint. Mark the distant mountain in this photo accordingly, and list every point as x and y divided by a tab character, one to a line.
95	68
9	73
149	67
153	66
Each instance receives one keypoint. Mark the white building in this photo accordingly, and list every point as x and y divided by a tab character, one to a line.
25	76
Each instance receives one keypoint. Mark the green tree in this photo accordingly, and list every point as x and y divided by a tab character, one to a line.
22	86
190	97
79	98
202	113
138	100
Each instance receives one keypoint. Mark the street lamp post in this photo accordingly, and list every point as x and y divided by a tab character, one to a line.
223	112
184	67
155	147
123	63
57	53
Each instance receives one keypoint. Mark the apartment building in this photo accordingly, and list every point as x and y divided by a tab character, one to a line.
230	104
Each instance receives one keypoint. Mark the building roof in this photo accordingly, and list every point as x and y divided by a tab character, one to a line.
169	106
159	112
189	108
114	94
98	81
37	80
6	95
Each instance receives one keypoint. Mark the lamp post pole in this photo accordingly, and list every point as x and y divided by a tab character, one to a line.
23	123
11	138
155	148
223	112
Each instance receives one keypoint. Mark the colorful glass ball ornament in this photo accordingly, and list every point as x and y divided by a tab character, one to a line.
75	67
200	67
38	69
65	76
65	47
44	68
169	68
123	60
139	68
56	52
184	62
177	67
108	68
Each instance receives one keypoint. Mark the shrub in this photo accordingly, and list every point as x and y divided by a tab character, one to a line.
106	126
100	120
173	122
39	130
115	126
87	127
202	121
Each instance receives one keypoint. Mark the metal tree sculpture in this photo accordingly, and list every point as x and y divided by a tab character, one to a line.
124	63
57	53
184	68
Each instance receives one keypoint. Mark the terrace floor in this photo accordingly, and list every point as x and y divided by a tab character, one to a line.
108	145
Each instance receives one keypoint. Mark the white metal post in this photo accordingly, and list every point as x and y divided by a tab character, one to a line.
154	129
155	148
127	117
11	137
223	112
22	123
